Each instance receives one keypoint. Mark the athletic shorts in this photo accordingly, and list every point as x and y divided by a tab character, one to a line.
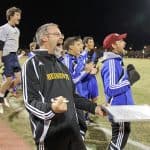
11	64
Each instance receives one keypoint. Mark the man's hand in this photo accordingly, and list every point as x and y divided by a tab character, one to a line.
23	53
1	54
88	67
93	71
1	67
99	111
133	75
59	104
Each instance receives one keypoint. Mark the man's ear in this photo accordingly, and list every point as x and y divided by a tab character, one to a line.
86	44
71	47
113	45
44	38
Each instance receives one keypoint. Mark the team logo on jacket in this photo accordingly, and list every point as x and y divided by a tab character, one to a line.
56	76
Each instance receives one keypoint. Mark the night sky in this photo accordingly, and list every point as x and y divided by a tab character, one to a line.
95	18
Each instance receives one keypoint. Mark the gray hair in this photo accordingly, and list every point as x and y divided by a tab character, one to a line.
43	30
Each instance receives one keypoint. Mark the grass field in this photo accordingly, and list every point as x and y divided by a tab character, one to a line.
141	94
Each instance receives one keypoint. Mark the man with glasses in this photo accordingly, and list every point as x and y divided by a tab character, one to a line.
50	98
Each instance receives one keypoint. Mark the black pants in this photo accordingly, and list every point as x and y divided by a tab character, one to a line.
82	124
120	134
62	142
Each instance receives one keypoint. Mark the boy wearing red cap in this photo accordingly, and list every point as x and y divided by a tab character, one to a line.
117	87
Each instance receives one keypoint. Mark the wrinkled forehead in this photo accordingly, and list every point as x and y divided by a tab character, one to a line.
120	41
17	14
77	42
90	41
53	28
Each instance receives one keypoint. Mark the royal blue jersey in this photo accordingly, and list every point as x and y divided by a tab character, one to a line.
115	80
76	69
89	83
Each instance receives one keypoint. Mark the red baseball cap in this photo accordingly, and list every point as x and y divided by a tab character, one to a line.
112	38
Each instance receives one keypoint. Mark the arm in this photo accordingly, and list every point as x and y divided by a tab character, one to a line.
1	53
84	104
77	71
82	70
3	37
21	55
110	75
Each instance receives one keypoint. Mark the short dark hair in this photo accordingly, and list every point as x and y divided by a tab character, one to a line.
86	39
11	11
70	41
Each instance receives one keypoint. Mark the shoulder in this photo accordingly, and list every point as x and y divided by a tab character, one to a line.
108	61
84	53
63	66
30	61
5	29
109	64
5	26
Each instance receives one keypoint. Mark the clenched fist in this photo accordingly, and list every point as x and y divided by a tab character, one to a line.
59	104
100	111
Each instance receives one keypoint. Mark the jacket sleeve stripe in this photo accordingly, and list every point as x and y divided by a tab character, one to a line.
26	96
66	61
112	82
79	78
34	126
34	110
35	68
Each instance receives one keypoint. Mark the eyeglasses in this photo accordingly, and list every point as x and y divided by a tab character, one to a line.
55	34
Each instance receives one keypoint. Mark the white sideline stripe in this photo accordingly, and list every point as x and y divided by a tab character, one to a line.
89	148
135	143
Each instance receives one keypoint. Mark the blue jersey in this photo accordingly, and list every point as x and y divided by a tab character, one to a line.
89	83
89	56
76	69
115	80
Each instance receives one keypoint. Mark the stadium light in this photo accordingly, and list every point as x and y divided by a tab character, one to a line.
130	48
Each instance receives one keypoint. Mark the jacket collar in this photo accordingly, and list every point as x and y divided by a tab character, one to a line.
110	55
44	52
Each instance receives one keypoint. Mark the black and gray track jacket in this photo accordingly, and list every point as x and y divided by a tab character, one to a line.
44	78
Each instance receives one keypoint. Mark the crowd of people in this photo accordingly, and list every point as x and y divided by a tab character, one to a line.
59	83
